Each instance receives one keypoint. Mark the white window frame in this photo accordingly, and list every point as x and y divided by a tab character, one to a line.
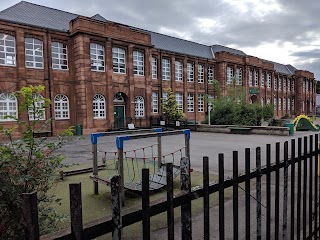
268	101
262	101
99	106
284	84
289	104
61	107
275	84
119	60
34	50
190	72
59	53
229	75
289	84
292	104
7	50
303	106
166	69
262	79
154	104
138	63
154	68
8	107
256	78
275	102
210	74
284	104
251	78
139	106
239	76
292	85
97	57
269	80
280	83
304	86
200	102
179	100
179	71
190	102
40	105
280	103
200	73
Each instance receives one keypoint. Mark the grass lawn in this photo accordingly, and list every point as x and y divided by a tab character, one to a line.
96	206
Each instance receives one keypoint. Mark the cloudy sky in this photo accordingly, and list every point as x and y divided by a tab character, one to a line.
284	31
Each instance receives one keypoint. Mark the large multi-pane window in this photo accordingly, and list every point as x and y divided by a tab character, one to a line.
256	78
139	106
289	84
179	71
37	109
229	75
190	102
284	84
268	101
280	83
284	104
292	104
8	106
59	54
138	63
61	107
164	97
7	50
275	83
154	68
179	100
166	73
119	60
250	78
303	107
262	101
99	106
239	76
200	73
304	86
292	85
262	79
200	102
269	80
280	103
33	53
275	103
289	104
154	104
210	74
190	72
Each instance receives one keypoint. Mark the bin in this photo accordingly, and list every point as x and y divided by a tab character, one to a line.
78	130
291	128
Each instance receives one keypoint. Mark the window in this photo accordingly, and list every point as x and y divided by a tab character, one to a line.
262	102
190	72
190	101
34	53
302	106
262	79
256	78
307	86
284	84
268	101
99	107
154	68
154	102
289	104
239	76
280	83
250	78
289	85
60	56
164	97
280	103
138	63
200	102
304	86
200	73
40	108
179	71
7	50
61	107
139	106
292	86
229	75
275	103
275	83
210	74
179	100
292	106
8	106
269	80
166	73
119	60
284	104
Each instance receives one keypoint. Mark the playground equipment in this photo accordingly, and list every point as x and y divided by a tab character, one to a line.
123	158
304	123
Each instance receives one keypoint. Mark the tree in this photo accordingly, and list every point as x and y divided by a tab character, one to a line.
170	108
28	165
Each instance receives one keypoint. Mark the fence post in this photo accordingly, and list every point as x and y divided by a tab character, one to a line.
299	188
268	222
221	196
310	185
116	207
30	213
186	229
258	191
121	172
235	196
206	215
316	189
293	188
170	209
76	211
277	193
145	204
285	192
247	189
95	167
305	174
159	150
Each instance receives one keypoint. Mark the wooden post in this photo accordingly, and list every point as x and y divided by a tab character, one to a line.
186	223
187	144
159	150
170	209
206	205
30	213
120	171
116	207
95	167
76	211
145	204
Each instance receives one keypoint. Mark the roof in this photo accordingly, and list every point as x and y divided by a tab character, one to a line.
99	17
37	15
281	68
219	48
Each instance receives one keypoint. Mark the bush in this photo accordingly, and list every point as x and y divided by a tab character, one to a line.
222	113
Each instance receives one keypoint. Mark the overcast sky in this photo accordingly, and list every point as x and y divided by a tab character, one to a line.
284	31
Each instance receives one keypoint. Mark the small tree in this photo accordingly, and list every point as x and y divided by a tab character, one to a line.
170	108
28	165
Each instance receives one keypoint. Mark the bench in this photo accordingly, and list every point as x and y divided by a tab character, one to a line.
38	134
240	130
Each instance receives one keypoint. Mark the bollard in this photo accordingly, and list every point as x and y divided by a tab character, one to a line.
318	161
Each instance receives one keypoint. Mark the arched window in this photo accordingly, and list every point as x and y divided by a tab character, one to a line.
8	106
99	106
7	50
39	104
139	106
61	107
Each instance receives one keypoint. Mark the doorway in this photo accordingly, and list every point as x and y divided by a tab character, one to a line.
119	116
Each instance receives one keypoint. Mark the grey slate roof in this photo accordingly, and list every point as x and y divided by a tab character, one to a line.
219	48
177	45
99	17
281	68
39	16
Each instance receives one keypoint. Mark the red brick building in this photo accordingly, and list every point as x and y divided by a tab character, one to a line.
103	74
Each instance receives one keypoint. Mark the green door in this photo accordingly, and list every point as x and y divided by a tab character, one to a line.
119	120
